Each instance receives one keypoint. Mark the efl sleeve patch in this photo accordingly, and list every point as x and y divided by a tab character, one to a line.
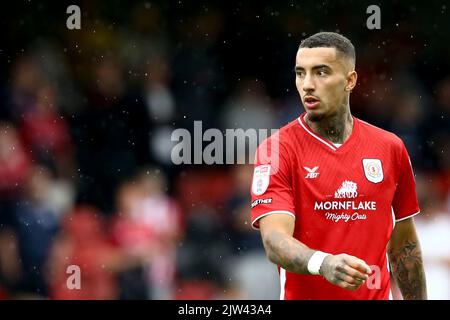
261	179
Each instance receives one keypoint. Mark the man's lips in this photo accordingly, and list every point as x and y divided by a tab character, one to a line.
311	102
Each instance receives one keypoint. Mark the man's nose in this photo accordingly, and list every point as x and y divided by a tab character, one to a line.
308	84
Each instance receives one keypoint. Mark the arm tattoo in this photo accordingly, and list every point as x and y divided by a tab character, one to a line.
287	252
407	267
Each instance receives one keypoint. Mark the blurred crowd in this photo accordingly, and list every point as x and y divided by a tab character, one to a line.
86	176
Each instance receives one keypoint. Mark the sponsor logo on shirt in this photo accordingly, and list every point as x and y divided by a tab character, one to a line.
259	201
345	201
312	174
348	189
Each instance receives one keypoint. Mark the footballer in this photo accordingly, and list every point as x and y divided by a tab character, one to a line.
335	209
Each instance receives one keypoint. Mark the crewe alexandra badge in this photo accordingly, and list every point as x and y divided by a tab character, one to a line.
373	170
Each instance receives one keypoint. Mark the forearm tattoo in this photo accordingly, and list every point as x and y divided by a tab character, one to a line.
407	268
287	252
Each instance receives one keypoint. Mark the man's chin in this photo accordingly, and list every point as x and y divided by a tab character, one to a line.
314	115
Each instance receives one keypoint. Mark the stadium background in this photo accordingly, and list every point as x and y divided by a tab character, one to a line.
86	115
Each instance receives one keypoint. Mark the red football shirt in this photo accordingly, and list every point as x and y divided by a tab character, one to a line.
344	199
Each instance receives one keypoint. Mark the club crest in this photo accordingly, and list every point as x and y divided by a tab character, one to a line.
373	170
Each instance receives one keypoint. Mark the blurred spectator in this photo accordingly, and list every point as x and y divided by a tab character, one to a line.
203	194
199	80
131	236
144	38
161	109
374	100
146	227
14	165
408	114
202	187
433	226
438	129
83	242
115	129
36	223
46	133
14	162
26	76
249	107
54	66
10	268
202	256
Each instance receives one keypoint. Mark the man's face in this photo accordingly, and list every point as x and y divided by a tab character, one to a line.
323	80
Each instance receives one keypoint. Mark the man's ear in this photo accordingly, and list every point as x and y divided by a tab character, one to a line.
352	77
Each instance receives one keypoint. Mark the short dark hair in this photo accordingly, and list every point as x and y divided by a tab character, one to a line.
330	40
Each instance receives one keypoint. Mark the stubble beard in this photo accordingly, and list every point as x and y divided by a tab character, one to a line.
315	116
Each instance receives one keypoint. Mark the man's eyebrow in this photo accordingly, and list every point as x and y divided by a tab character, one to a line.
320	66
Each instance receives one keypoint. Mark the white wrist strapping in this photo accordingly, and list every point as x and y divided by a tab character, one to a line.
315	262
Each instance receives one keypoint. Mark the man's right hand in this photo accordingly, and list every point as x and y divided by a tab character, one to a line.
345	271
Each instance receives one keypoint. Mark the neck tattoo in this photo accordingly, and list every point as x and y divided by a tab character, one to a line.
335	129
